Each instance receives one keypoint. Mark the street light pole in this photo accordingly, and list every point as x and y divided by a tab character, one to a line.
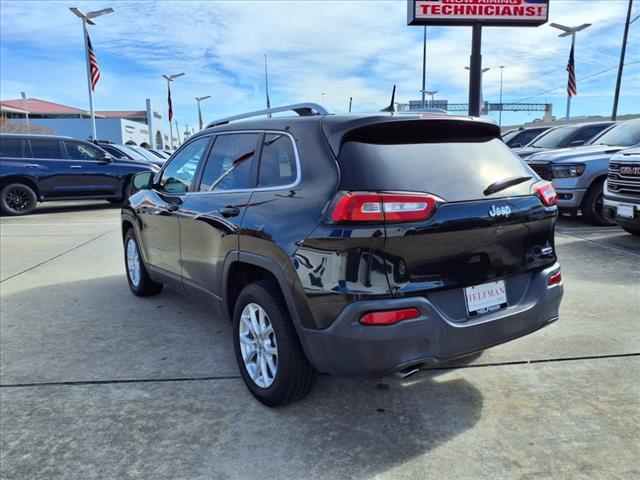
171	78
87	18
26	106
424	66
566	31
500	111
623	51
199	99
480	103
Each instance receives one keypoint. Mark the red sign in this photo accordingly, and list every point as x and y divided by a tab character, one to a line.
483	12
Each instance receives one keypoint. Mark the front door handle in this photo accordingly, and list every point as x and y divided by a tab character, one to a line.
229	211
32	165
76	166
172	207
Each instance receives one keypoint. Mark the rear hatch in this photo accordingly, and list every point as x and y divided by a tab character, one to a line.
473	233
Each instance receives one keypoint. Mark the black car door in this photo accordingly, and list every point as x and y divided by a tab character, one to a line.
91	173
210	218
158	212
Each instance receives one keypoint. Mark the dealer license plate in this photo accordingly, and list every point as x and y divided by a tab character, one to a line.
625	210
485	298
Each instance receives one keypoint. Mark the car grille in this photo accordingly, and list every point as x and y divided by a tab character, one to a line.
624	183
543	170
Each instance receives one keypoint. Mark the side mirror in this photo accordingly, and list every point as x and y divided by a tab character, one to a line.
106	158
576	143
516	145
142	181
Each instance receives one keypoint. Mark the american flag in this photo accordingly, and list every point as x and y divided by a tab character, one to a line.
170	106
94	70
572	89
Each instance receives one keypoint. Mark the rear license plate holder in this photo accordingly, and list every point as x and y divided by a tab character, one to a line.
485	298
625	210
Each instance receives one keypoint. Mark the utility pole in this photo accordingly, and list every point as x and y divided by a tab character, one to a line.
350	100
475	71
26	106
424	66
500	111
623	51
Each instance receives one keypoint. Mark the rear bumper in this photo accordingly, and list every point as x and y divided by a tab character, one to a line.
348	348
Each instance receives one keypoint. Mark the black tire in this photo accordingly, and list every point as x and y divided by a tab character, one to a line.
17	199
632	231
114	201
294	376
592	206
144	287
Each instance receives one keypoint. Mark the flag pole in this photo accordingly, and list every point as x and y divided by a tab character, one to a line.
266	84
86	54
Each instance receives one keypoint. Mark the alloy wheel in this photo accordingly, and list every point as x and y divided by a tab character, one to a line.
18	199
133	262
258	345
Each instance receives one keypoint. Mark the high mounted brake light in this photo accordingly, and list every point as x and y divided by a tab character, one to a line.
546	193
390	207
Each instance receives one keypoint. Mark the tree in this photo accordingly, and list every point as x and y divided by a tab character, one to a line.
7	126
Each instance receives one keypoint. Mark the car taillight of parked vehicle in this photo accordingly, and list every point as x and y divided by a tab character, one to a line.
390	207
547	194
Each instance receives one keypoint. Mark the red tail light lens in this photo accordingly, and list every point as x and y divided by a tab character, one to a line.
367	207
389	317
547	193
555	279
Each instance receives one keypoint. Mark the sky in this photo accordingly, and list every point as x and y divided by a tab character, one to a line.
337	48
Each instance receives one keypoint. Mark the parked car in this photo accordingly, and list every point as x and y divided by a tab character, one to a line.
151	157
42	168
622	190
126	152
160	153
564	136
353	245
578	174
522	136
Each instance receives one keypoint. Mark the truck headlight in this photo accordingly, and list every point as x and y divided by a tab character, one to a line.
567	170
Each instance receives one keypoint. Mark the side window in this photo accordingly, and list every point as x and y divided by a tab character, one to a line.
83	151
177	176
11	147
527	136
45	148
278	162
229	164
587	134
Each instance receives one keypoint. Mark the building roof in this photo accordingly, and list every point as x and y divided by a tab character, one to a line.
5	107
122	113
35	105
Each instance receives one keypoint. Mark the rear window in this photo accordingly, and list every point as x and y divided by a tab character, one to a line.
453	171
11	147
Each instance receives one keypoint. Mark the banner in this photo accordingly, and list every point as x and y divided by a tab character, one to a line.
483	12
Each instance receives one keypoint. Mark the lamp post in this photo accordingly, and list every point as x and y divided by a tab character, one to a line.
480	100
623	51
500	111
424	66
171	78
322	94
199	99
26	106
87	18
566	31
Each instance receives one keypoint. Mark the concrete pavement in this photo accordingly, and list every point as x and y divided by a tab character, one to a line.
97	383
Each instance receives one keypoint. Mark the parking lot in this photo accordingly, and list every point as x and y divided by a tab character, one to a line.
98	383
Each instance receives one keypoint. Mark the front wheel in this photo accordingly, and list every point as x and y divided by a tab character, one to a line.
17	199
268	352
139	280
592	206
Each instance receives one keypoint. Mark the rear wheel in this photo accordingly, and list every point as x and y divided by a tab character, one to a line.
17	199
268	352
137	275
592	205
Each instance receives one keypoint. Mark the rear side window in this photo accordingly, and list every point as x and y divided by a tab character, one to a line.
229	164
11	147
46	149
83	151
278	161
453	171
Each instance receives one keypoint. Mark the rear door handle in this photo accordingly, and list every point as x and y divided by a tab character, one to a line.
76	166
229	211
32	165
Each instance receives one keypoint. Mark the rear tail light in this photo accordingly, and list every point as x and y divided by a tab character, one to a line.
555	279
546	192
369	207
389	317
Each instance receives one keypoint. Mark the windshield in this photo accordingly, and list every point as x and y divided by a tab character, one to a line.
132	153
509	135
146	154
626	134
553	138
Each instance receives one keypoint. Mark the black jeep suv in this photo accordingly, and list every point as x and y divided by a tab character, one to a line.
44	168
353	245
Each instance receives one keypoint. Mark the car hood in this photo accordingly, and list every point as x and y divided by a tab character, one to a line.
526	151
582	154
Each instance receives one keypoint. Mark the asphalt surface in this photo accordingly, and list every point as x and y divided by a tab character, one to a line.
97	383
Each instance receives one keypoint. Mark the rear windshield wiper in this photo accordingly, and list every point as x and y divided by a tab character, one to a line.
503	184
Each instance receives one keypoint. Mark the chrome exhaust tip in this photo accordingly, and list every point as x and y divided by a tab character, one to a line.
407	372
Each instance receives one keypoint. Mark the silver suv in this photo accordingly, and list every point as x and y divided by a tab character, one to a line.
578	174
622	190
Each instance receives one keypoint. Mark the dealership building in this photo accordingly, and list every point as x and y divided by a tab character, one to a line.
130	127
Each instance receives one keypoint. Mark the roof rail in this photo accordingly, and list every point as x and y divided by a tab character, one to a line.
302	109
